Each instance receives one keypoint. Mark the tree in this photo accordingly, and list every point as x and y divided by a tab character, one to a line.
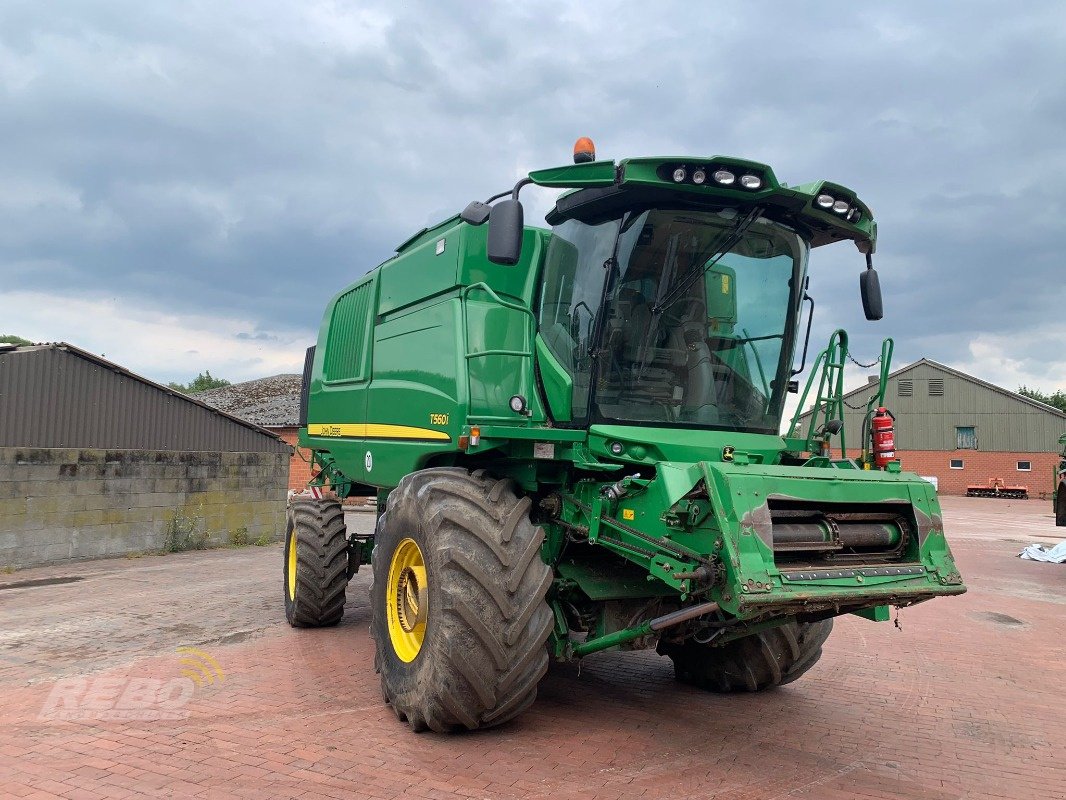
201	383
1057	400
10	338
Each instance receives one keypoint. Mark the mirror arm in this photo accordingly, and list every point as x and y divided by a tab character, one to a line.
518	187
807	338
513	191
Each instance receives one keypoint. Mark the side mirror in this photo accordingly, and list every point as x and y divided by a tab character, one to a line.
870	289
506	226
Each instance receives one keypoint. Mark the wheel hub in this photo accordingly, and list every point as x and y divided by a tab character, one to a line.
291	568
411	605
407	600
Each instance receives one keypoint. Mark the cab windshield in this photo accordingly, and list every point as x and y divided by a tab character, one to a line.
675	318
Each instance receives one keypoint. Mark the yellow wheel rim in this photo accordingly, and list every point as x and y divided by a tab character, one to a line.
407	600
291	571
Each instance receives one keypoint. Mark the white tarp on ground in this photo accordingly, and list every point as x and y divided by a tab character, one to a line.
1038	552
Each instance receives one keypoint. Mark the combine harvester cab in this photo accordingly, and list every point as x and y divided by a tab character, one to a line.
573	437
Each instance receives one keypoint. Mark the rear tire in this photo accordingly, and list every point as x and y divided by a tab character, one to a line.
316	573
760	661
480	653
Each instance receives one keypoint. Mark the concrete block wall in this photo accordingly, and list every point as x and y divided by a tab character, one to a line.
59	504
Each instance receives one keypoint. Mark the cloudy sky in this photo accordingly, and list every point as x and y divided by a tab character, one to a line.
184	185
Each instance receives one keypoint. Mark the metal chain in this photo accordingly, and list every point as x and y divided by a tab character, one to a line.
858	363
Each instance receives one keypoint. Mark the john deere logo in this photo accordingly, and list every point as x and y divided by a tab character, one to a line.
727	453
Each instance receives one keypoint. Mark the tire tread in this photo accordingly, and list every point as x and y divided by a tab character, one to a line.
321	563
494	609
773	657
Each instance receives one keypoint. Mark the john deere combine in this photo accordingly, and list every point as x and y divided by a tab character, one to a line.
573	436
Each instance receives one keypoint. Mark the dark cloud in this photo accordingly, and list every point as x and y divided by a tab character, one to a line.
246	162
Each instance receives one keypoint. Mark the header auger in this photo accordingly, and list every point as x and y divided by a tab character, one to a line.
573	436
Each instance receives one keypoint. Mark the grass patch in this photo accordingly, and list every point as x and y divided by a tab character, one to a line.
238	537
263	540
182	534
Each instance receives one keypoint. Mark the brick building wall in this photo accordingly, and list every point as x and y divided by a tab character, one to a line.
978	466
59	504
300	463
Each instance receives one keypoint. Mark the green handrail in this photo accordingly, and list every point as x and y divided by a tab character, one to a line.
828	368
528	387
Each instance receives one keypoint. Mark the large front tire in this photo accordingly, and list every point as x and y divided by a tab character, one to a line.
316	563
752	663
459	616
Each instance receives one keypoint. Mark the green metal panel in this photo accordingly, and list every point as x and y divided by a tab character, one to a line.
558	385
426	268
594	173
347	350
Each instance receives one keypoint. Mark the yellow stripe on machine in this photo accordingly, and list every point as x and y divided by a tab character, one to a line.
374	430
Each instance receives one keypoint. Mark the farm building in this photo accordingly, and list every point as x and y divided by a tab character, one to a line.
97	461
962	430
272	403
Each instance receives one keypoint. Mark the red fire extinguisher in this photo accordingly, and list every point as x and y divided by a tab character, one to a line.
884	437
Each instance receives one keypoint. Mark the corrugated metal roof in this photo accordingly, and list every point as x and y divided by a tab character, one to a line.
273	402
940	408
58	395
937	365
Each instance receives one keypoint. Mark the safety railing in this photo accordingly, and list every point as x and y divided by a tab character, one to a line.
829	402
530	332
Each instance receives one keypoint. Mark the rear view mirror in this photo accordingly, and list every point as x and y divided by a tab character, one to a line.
870	289
505	232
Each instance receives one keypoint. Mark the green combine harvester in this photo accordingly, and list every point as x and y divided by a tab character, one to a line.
574	439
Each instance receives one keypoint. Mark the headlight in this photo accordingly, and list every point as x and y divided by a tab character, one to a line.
825	200
699	176
679	175
841	206
724	177
750	181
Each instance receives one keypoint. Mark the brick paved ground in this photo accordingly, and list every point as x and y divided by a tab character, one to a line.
966	701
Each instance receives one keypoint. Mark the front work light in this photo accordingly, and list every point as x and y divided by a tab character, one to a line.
825	200
679	175
750	181
724	177
841	206
699	176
